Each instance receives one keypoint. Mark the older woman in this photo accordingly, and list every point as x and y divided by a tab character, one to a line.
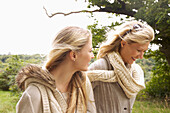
115	93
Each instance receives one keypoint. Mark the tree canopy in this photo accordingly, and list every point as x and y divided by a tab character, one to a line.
155	12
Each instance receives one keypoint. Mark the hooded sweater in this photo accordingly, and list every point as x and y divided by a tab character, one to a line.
41	95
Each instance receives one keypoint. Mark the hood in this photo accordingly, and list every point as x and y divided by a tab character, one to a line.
34	74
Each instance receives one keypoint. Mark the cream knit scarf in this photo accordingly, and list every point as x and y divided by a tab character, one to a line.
131	79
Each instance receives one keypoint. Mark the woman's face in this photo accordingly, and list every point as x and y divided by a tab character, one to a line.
133	51
84	56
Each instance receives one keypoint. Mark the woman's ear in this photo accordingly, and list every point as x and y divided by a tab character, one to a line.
123	43
72	55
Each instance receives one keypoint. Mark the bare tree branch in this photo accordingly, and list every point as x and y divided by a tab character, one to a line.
107	9
65	14
46	12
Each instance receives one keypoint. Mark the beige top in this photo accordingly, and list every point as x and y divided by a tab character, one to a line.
109	97
41	95
32	100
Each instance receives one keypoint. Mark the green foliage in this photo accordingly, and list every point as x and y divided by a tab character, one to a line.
11	64
7	77
99	34
3	58
157	14
159	85
146	64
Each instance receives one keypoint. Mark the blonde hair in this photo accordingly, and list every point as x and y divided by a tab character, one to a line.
70	39
128	32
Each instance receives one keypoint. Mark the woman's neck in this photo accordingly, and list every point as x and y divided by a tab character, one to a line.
63	75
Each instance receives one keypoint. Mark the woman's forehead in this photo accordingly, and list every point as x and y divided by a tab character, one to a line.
141	46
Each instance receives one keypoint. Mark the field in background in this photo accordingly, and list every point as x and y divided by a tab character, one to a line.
150	107
8	103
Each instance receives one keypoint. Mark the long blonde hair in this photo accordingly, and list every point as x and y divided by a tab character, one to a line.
70	39
131	32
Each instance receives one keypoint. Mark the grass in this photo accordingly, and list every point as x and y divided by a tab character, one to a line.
151	106
8	103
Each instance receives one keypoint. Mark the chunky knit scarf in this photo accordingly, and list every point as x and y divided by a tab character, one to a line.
130	78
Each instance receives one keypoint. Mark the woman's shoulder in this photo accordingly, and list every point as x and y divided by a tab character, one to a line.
100	64
30	100
32	92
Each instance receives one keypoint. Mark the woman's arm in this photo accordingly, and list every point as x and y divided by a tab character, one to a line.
100	64
101	70
30	102
101	75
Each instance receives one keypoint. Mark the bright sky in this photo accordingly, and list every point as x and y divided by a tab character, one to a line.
26	29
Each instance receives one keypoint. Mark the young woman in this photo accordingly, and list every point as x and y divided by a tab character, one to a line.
60	87
115	93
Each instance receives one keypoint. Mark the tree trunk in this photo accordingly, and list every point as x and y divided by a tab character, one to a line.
166	50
